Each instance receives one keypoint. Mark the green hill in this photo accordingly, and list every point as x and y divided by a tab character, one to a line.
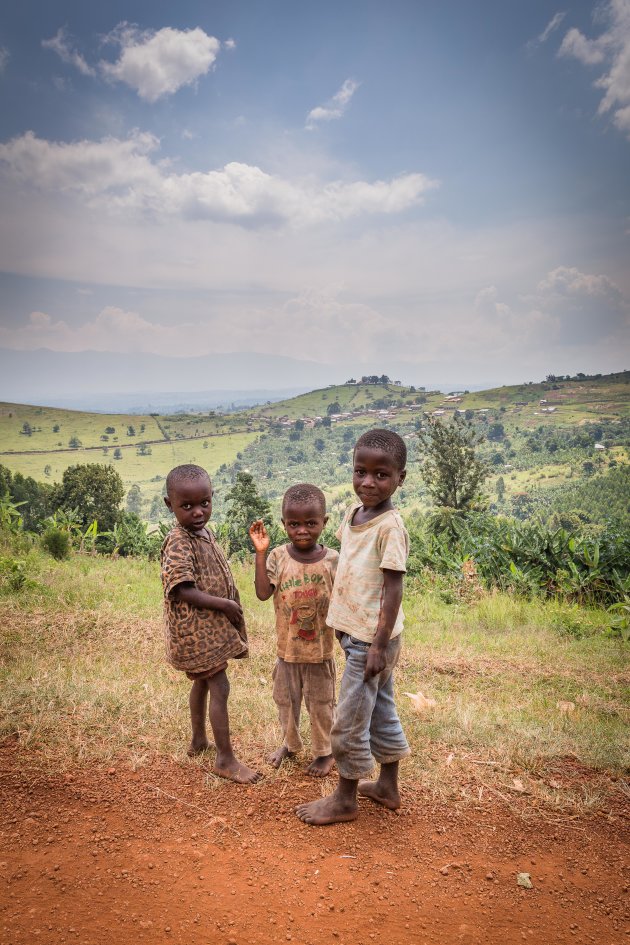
538	435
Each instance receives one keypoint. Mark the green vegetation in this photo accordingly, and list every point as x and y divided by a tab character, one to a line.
83	677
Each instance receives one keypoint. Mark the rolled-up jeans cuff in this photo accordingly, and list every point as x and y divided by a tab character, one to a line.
352	774
390	759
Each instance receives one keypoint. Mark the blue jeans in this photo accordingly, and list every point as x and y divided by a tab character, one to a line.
366	725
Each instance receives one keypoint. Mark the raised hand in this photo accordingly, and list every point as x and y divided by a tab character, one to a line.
258	534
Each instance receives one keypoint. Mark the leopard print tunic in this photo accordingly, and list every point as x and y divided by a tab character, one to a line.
197	640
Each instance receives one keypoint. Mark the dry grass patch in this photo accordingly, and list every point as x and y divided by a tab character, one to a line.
83	679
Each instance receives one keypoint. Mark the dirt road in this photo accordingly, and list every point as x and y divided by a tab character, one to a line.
166	854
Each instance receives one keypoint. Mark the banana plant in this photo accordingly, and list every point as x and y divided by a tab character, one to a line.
10	516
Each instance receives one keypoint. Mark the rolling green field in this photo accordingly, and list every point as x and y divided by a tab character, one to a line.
35	441
348	396
147	471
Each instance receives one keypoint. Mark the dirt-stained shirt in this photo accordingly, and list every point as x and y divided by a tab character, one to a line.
301	596
367	549
198	639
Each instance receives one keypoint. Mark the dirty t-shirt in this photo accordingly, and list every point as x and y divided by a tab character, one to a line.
198	639
381	543
300	598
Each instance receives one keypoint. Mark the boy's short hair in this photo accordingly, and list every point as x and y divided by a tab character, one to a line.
186	473
386	440
302	493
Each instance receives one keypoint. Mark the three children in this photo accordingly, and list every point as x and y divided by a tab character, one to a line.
362	603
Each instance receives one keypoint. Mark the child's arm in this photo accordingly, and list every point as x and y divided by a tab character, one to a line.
190	594
392	599
260	540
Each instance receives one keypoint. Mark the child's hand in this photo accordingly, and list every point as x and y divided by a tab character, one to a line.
375	662
258	534
233	612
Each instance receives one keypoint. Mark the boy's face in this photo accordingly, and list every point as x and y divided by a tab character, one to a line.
190	501
376	476
303	522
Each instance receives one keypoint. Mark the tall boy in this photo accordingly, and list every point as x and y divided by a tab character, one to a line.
300	576
203	615
366	614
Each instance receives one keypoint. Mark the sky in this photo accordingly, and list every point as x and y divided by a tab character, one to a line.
430	189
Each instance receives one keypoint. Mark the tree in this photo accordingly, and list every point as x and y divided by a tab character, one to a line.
134	500
35	499
118	453
319	445
74	442
27	429
131	431
500	488
110	430
335	407
56	428
95	491
496	432
158	510
452	471
245	505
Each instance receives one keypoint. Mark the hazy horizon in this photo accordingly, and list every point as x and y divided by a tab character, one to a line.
437	192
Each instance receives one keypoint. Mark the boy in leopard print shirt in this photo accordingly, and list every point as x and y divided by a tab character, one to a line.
203	616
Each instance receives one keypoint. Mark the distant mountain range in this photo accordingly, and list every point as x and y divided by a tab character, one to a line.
142	383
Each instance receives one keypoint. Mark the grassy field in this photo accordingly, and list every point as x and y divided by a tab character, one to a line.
348	396
87	427
134	468
519	687
213	440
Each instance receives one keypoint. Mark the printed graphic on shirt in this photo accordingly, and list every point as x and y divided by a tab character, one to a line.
301	599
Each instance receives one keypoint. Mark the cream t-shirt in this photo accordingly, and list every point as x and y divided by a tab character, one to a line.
367	549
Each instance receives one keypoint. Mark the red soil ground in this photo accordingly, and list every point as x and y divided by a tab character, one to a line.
160	855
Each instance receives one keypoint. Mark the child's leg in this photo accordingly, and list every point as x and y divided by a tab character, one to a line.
319	698
198	700
226	764
387	739
350	738
287	694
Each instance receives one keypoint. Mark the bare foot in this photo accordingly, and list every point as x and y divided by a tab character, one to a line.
198	748
235	770
320	767
328	810
277	757
385	796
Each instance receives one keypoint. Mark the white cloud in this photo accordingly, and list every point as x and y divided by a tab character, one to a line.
118	175
550	28
113	329
335	107
160	63
4	58
590	52
60	43
569	281
230	44
612	48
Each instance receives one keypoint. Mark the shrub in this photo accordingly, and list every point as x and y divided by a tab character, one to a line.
57	542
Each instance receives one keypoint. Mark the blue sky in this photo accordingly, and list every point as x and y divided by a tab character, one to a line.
425	189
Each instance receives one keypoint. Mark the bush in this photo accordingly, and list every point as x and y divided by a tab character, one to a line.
57	542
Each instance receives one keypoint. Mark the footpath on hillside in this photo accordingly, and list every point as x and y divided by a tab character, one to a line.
166	853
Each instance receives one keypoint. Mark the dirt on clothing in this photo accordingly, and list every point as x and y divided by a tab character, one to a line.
168	854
